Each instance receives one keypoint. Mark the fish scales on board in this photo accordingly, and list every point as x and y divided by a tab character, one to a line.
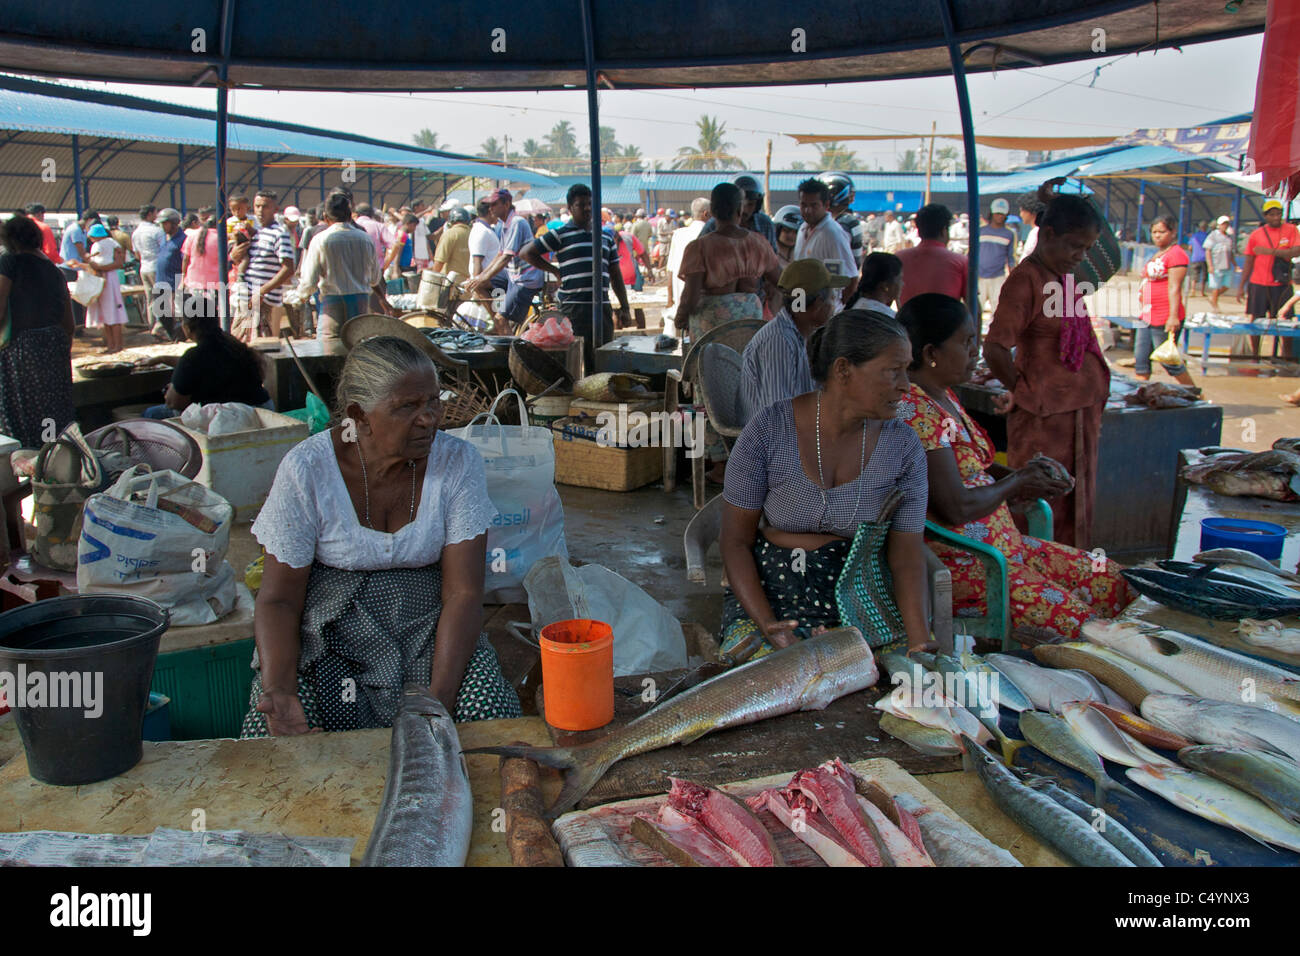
1219	722
427	812
808	675
1042	816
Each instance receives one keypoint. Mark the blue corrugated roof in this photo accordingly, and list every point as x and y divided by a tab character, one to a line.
1117	160
131	118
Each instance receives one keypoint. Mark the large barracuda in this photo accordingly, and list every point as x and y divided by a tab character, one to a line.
427	812
1111	830
1041	815
1217	722
1201	667
807	675
1219	803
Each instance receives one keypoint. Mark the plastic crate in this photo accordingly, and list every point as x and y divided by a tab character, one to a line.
208	687
240	466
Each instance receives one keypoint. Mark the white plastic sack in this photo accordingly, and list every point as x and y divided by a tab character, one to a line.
519	461
646	635
220	418
136	547
88	286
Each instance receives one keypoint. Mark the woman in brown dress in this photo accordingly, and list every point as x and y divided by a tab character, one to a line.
1058	381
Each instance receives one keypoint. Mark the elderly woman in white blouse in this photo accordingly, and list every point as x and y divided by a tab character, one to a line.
375	534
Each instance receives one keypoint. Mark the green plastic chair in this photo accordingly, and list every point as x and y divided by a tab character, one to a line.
996	622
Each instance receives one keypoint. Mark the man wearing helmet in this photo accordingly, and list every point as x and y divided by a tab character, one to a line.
751	215
787	223
821	238
452	254
842	193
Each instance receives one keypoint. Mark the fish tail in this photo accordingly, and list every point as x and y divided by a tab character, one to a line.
1108	784
1010	748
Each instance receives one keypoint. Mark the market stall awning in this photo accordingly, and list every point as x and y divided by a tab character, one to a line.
1275	134
540	46
992	141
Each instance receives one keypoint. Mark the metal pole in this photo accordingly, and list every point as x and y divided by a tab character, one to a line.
180	166
598	296
1142	198
370	187
76	175
223	115
1107	210
321	177
259	170
1182	203
972	165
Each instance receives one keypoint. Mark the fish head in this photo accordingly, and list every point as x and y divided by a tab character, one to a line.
416	699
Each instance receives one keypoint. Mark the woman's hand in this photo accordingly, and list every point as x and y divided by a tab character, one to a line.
284	714
779	633
1003	402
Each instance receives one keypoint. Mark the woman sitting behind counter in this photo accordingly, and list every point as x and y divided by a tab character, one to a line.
219	368
375	534
815	467
1053	588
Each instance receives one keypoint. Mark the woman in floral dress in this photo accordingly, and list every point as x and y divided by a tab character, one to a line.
1053	588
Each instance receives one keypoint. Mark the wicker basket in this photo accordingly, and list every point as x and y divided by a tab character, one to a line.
462	402
581	460
535	371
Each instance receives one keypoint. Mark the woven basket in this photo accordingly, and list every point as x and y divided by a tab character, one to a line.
462	401
580	460
534	370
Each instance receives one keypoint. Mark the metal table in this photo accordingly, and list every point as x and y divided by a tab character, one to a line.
637	354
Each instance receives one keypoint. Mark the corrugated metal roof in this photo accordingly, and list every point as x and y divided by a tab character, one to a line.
67	111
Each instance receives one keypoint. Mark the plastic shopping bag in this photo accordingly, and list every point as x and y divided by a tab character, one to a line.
1167	353
88	287
163	537
519	461
555	332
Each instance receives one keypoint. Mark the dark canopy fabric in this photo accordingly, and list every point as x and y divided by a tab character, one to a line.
513	45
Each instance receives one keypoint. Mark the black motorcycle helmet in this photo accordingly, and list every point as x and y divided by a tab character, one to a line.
841	187
748	185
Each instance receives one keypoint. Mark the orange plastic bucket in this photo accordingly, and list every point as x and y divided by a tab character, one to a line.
578	674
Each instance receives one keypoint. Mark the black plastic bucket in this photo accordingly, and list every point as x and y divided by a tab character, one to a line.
93	657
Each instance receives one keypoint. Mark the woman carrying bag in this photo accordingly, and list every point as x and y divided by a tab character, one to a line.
1163	307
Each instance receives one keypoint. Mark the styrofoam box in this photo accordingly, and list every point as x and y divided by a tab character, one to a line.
240	466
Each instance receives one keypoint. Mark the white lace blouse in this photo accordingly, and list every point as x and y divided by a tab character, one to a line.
308	515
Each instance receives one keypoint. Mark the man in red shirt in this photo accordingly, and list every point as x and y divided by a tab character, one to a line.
931	266
49	245
1266	274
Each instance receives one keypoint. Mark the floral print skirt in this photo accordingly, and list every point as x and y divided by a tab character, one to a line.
1053	588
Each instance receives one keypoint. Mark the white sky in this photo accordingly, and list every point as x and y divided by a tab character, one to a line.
1170	88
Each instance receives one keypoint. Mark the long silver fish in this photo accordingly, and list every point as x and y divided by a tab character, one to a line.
1048	689
1042	816
1056	738
807	675
1111	830
1203	668
950	844
1005	693
427	812
1219	722
1275	780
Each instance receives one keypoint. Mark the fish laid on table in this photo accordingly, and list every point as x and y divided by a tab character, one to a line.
427	812
1219	803
1111	830
1041	815
1267	474
728	819
1048	689
931	741
1238	560
1209	595
1274	779
1056	738
1143	730
1005	692
681	839
1130	680
821	791
1203	668
870	789
895	830
1096	730
1229	574
948	716
1274	635
949	844
810	827
1101	691
975	694
807	675
1220	722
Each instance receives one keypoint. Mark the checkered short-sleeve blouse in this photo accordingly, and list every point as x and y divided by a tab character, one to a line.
764	472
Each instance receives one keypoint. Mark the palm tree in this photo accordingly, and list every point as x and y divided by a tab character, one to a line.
609	145
491	149
631	159
531	149
428	139
909	162
836	156
711	151
562	144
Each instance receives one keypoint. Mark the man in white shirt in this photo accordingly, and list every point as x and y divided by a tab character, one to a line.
893	233
146	241
678	240
484	245
821	237
340	262
421	256
1031	208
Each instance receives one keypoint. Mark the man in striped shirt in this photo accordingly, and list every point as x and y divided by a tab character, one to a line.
572	246
270	261
775	363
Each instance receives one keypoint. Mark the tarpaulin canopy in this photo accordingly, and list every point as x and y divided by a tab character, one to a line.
1275	133
516	45
984	139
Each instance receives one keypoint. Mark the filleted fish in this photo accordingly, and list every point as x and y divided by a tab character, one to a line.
807	675
1273	635
951	845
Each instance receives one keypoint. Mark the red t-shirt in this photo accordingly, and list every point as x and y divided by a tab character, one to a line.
625	257
932	267
1155	291
1284	235
49	245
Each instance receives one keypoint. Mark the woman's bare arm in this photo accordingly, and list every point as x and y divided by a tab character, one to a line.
461	620
736	541
906	555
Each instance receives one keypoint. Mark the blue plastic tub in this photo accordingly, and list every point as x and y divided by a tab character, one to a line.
1259	537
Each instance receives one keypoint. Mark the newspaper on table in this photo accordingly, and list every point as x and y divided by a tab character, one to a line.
167	847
